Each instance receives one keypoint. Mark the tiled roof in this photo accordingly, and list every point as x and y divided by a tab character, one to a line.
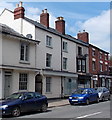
37	24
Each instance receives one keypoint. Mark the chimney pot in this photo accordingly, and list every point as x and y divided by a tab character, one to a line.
45	10
20	4
42	11
17	5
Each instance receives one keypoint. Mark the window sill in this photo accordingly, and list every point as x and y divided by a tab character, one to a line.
24	62
65	51
48	92
49	46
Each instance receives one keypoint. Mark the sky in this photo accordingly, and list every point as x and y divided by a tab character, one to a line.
93	17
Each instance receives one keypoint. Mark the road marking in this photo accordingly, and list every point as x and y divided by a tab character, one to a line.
89	115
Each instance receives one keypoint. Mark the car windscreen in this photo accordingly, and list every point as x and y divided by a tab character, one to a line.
99	89
80	91
15	96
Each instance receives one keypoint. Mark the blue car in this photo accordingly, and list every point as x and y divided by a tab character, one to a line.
23	102
84	95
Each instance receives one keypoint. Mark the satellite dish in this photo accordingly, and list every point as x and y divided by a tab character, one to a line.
29	36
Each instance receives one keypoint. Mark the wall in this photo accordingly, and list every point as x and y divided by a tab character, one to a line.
42	50
11	52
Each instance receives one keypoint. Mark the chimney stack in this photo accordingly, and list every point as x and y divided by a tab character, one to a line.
84	36
44	18
60	25
19	11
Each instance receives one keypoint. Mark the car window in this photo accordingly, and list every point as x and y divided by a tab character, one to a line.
29	96
90	91
15	96
37	95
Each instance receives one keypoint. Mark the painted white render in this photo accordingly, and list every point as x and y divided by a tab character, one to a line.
55	50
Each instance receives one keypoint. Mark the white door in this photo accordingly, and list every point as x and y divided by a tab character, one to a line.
7	85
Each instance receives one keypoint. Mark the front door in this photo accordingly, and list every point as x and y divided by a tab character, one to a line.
7	85
38	84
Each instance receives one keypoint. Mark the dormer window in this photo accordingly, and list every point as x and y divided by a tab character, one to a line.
24	52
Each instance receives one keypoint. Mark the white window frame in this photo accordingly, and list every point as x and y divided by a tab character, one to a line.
48	84
48	60
49	41
23	79
79	65
64	63
93	65
101	67
25	55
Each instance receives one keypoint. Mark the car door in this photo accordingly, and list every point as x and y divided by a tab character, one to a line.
38	101
105	92
28	102
90	94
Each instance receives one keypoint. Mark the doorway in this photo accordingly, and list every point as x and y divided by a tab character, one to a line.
7	85
38	83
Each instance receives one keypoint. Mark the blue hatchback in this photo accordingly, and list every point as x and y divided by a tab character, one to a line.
23	102
83	95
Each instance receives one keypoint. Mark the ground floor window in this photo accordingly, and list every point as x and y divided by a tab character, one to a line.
103	82
48	84
23	79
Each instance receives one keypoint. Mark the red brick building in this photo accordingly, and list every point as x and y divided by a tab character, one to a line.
98	63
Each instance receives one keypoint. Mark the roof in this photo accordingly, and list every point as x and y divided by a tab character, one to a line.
98	48
54	31
4	29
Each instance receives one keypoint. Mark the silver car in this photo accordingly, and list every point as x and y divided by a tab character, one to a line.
104	93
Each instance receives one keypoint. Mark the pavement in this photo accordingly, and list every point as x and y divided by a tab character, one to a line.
57	103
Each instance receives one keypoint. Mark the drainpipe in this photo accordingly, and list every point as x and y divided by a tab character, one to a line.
61	68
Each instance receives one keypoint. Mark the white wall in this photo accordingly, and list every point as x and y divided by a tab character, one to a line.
1	83
15	81
70	55
11	52
42	50
0	48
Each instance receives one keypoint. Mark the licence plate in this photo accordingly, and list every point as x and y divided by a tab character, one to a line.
74	100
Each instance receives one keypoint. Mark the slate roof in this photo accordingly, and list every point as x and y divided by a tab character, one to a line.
54	31
4	29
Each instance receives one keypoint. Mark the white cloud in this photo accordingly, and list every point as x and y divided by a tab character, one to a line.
98	28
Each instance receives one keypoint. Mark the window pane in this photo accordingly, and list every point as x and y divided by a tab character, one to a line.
22	52
65	63
48	84
23	81
48	60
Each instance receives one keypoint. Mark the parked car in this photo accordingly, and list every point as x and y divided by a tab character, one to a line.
23	102
83	95
103	93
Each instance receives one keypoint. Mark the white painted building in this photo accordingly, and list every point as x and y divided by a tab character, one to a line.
54	59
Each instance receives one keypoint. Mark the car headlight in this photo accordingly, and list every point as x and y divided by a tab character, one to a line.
80	97
4	106
70	97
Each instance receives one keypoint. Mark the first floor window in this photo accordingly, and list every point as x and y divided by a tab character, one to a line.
23	79
65	63
79	65
48	84
64	46
83	66
24	52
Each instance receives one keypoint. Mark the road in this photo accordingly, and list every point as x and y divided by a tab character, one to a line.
96	110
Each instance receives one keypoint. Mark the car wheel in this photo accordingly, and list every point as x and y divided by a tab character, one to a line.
71	103
44	108
103	99
87	102
16	112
